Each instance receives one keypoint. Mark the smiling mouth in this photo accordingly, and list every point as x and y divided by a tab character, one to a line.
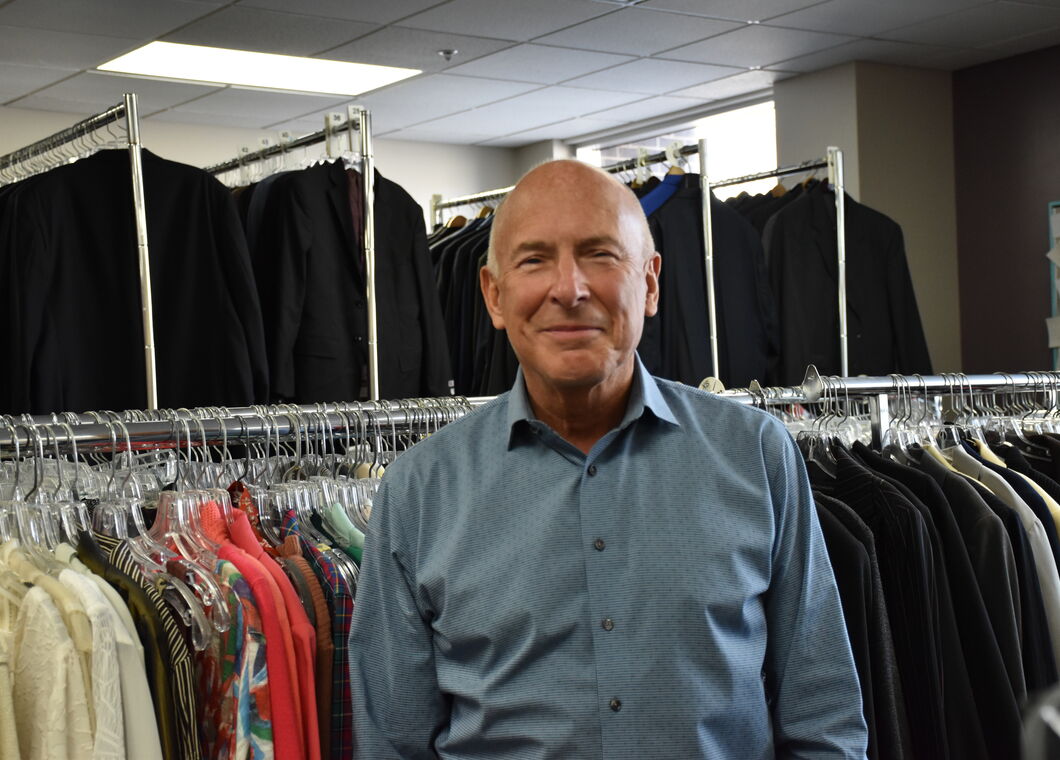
572	332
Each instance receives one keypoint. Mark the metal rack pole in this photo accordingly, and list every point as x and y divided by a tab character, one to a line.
708	248
835	175
132	122
364	126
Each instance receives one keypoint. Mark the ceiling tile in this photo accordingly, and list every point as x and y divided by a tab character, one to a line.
114	18
258	108
518	21
535	109
756	45
16	81
740	84
428	133
638	32
647	109
740	10
209	120
374	12
980	26
651	76
1025	44
269	31
414	48
877	51
1050	3
61	50
429	97
863	17
562	130
538	63
952	59
96	91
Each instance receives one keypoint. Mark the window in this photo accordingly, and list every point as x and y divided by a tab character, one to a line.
741	141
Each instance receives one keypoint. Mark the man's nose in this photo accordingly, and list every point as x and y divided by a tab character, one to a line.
570	286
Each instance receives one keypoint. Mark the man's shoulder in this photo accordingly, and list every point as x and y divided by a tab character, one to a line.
459	442
698	407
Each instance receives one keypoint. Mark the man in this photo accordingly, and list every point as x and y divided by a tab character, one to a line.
597	564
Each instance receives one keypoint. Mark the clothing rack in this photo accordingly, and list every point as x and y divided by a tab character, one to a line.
45	154
107	431
438	205
833	160
878	390
360	119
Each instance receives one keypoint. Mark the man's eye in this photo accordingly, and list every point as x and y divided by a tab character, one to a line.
530	260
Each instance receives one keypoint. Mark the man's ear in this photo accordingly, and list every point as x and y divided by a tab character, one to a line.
652	267
491	294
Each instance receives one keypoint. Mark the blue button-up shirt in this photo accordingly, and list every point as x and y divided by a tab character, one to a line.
667	595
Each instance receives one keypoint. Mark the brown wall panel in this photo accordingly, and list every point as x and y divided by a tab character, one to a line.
1007	160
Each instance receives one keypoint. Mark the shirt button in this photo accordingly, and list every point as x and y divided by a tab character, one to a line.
599	544
616	704
608	624
592	469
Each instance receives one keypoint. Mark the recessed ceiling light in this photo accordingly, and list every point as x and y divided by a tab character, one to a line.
196	63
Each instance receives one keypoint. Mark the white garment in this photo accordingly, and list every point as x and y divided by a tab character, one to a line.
137	706
51	706
109	738
1044	562
8	730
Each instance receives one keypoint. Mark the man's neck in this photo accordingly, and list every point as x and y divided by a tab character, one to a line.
581	416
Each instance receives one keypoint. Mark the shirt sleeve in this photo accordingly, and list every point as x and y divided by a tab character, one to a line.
398	708
810	675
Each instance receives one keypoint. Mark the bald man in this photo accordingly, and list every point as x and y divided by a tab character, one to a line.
599	563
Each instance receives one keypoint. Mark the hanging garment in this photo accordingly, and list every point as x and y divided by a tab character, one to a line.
998	706
72	307
992	559
884	330
676	341
310	273
888	728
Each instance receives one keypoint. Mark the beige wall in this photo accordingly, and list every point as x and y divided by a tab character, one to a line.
421	168
815	111
905	140
895	126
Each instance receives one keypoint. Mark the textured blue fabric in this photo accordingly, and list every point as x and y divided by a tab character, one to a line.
514	588
665	190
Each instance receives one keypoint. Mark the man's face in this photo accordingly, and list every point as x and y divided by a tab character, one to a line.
574	279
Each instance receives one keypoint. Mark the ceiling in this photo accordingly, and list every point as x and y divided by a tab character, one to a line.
525	71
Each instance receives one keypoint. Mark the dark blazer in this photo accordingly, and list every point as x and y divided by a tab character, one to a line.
309	268
676	342
991	554
884	330
997	704
72	291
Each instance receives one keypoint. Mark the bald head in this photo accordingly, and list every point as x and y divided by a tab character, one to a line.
568	178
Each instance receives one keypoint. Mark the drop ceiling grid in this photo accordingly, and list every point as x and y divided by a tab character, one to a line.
658	53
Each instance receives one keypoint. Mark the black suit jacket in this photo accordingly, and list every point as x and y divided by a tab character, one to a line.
884	330
310	276
72	291
676	342
991	554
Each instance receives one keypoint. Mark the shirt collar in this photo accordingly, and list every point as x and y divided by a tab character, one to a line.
645	395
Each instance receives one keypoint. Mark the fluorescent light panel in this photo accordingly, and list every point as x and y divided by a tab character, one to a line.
197	63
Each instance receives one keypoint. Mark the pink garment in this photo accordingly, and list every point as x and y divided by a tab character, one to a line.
288	740
302	632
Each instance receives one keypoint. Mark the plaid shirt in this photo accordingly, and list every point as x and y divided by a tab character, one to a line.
340	602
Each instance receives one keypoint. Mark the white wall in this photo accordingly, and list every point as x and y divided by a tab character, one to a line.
421	168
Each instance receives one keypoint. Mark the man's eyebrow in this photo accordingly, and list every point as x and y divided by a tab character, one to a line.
599	240
531	246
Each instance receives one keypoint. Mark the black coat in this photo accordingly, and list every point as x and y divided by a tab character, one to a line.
676	342
884	330
308	263
72	313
